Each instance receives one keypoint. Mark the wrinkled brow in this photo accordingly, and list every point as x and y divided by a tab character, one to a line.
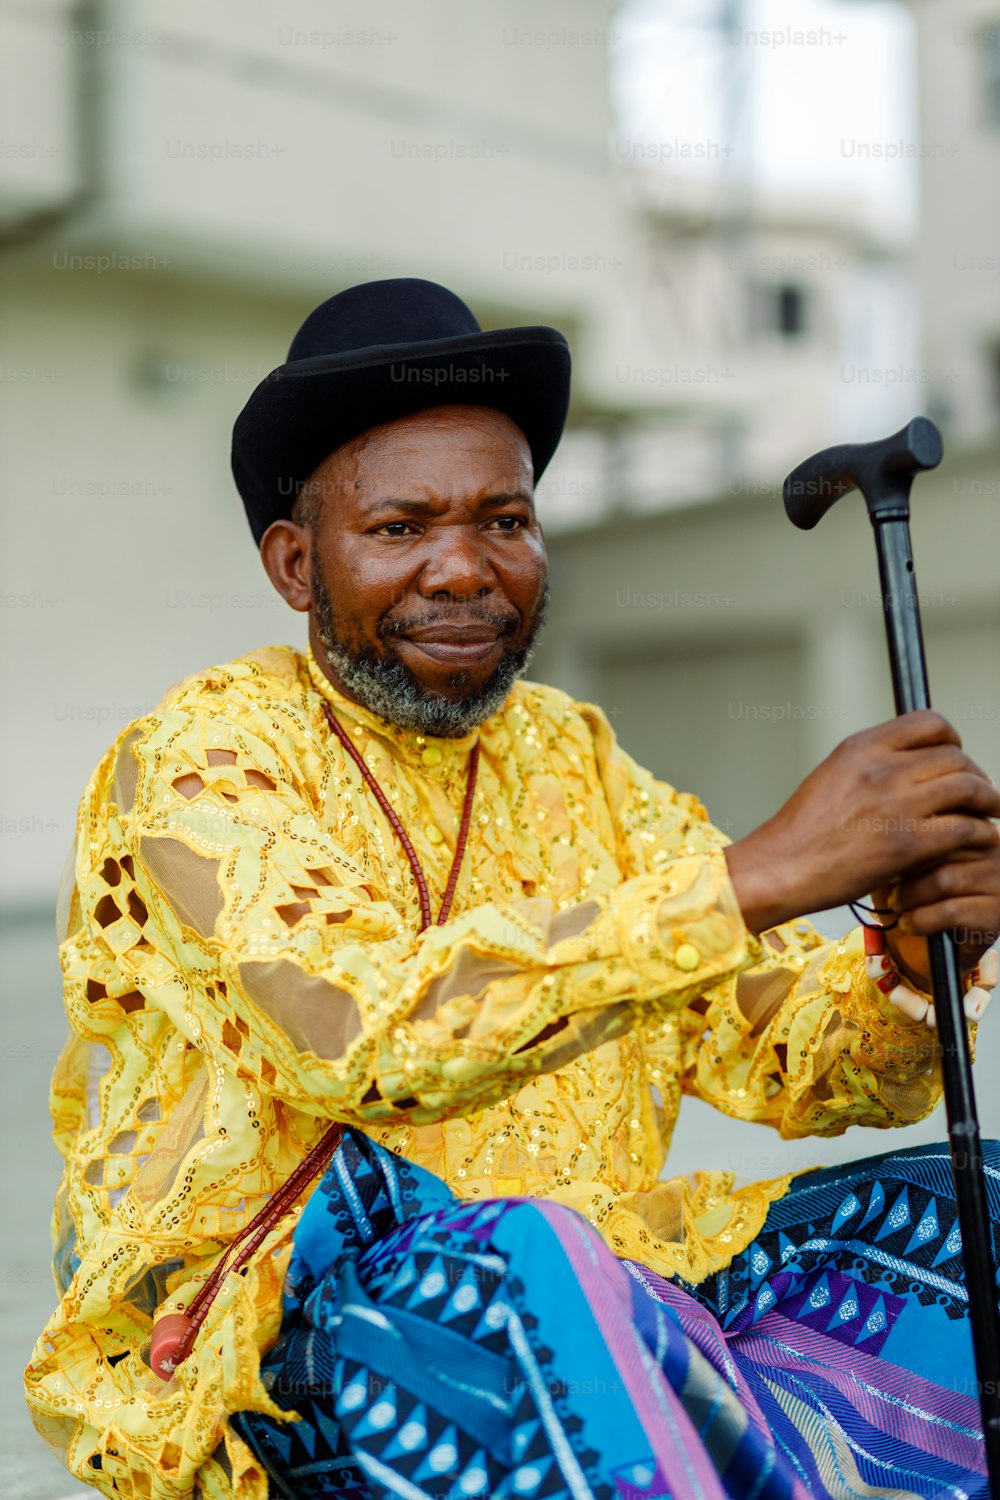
411	507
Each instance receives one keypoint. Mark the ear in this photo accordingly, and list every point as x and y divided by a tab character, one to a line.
286	552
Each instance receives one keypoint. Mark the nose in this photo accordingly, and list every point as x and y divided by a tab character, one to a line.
458	565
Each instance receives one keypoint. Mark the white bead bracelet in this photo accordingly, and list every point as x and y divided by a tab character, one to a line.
879	968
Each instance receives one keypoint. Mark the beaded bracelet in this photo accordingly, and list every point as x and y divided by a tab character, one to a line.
878	967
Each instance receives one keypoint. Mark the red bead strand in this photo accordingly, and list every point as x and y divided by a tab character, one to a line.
400	831
174	1334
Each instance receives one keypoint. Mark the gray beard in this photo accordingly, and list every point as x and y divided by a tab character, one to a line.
387	687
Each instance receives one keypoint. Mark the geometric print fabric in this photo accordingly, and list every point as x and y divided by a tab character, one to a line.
442	1348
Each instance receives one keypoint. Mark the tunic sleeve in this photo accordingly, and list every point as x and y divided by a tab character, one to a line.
807	1043
209	890
800	1038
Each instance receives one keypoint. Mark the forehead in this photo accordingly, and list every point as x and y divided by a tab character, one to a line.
441	442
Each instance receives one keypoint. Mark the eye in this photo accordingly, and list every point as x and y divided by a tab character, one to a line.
519	523
387	528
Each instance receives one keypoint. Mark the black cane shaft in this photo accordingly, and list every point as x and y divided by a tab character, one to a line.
909	681
884	472
970	1187
902	616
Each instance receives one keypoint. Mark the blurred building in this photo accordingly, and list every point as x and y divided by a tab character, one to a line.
733	651
957	253
179	184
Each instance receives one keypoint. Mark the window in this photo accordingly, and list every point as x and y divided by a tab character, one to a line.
988	52
791	310
993	357
780	308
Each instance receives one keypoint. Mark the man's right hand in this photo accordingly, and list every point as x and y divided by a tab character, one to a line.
889	802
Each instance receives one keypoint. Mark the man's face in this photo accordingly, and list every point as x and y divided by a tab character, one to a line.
428	568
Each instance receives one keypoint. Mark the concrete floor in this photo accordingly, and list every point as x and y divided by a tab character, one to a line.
33	1031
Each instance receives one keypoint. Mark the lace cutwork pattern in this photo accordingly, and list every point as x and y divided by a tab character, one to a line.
242	963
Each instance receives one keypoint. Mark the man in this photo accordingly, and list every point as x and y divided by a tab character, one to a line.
387	883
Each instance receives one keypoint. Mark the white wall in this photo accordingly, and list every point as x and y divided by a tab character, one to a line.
126	558
39	149
728	614
958	253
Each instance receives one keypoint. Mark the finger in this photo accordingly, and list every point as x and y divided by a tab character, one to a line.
919	868
963	792
882	897
973	920
963	876
936	840
943	760
922	726
959	857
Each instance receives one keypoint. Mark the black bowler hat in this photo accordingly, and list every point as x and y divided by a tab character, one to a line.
377	352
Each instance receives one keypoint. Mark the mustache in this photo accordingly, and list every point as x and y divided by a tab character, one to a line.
505	624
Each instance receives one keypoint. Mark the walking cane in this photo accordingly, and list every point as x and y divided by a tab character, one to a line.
883	472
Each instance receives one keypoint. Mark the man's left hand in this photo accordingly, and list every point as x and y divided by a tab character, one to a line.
961	896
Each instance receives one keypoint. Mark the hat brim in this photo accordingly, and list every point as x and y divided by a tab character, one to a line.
306	409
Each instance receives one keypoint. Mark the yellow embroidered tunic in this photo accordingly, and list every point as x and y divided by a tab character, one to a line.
243	964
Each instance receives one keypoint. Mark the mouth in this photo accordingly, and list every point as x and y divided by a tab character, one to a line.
455	648
456	643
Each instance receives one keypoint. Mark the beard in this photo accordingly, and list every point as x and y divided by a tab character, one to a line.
385	685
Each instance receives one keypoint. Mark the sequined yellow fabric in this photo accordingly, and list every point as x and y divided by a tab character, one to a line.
242	963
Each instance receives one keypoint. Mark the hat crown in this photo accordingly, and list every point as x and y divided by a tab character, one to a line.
402	310
379	352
